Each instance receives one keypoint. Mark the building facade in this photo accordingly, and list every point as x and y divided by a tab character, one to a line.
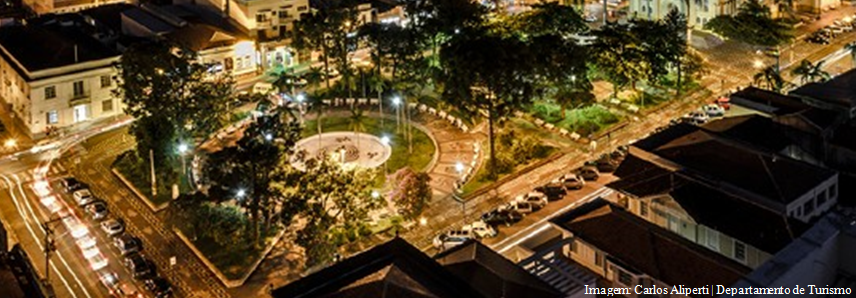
68	84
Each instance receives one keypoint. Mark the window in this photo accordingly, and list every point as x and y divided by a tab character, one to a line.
107	105
643	208
78	88
53	117
50	92
283	14
808	207
598	258
833	191
739	251
261	17
105	81
713	239
301	8
625	278
821	198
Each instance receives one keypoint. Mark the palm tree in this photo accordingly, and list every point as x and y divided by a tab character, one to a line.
851	47
809	72
771	77
357	123
377	84
285	82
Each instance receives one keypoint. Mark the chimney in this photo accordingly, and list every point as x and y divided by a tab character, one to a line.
75	53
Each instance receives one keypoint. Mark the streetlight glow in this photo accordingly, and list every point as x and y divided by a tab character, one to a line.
384	140
10	143
396	100
375	194
268	137
241	193
301	97
758	64
459	167
182	148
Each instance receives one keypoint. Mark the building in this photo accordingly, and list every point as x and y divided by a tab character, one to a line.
56	73
700	11
837	94
17	274
821	259
627	251
42	7
397	269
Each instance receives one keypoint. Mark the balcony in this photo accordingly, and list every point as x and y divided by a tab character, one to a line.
79	99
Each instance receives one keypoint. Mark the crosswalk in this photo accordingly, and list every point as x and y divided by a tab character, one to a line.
56	170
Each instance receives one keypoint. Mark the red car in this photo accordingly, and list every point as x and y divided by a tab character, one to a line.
723	102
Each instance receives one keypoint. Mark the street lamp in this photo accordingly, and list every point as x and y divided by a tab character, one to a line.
459	167
375	194
10	143
758	64
385	140
300	99
396	101
182	148
268	137
241	193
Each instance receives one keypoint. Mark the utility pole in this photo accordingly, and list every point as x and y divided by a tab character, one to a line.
154	181
50	247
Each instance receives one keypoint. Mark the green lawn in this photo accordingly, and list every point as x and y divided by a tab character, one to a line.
138	173
423	148
584	121
233	260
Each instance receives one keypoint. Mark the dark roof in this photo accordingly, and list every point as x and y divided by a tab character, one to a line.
12	9
821	118
110	15
198	37
50	45
779	179
151	22
840	90
752	129
199	14
647	248
492	274
727	213
392	269
768	101
667	135
845	136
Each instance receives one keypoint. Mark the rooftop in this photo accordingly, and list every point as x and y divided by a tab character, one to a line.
840	90
768	102
727	213
779	179
647	248
752	130
491	274
392	269
50	45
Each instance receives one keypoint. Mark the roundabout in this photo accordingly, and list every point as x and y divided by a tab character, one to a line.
349	148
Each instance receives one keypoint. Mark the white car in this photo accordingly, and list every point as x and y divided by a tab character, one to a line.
590	18
112	227
537	199
572	181
696	117
480	229
521	207
83	197
451	239
713	110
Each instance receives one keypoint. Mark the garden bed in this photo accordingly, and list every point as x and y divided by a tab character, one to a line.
584	121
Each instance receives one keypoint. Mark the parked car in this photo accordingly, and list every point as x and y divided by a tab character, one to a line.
118	288
835	30
97	210
501	216
554	190
846	26
769	52
696	117
818	39
451	239
83	197
713	110
70	184
113	227
536	198
522	207
590	18
139	266
128	244
159	286
572	181
605	164
588	173
480	229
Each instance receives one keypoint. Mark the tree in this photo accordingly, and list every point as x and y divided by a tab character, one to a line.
618	56
410	191
249	171
752	24
810	72
310	34
771	78
285	82
676	44
553	19
488	74
655	46
564	74
336	203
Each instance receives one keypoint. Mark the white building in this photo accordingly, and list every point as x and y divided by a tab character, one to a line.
54	75
41	7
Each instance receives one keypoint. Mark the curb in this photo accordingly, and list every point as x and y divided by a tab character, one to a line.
229	283
137	192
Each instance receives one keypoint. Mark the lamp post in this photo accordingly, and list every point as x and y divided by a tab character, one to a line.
182	148
386	142
300	99
396	101
459	167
